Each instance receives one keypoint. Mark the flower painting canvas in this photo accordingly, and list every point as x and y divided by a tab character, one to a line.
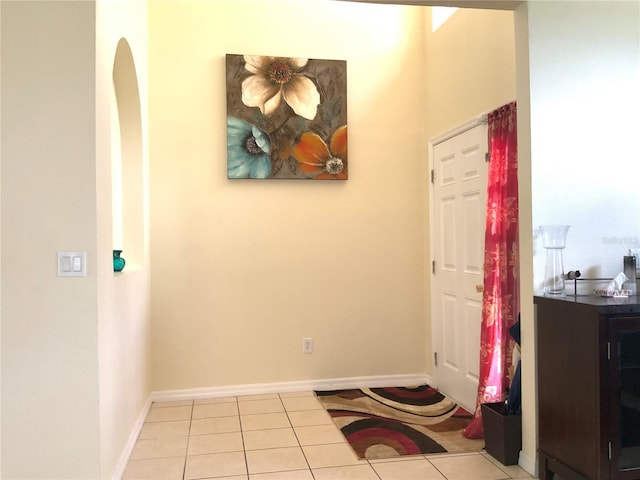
286	118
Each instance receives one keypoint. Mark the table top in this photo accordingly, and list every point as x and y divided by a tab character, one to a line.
605	305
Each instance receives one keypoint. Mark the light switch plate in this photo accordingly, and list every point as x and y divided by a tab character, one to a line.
72	264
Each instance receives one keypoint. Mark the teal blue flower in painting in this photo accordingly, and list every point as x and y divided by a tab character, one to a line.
248	150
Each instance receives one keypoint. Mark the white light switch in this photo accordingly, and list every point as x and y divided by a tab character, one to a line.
66	263
72	264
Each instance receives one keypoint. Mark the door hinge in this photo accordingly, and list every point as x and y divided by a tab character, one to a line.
608	350
609	450
433	176
435	358
487	157
433	267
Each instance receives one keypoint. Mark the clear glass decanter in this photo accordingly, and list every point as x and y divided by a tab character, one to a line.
554	239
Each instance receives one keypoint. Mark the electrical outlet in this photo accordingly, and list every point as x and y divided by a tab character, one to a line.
307	345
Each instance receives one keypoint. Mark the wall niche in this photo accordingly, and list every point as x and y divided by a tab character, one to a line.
128	197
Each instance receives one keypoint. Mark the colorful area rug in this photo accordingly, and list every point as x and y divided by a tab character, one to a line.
390	422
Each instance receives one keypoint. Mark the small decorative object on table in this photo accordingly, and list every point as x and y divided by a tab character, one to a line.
602	292
118	261
615	288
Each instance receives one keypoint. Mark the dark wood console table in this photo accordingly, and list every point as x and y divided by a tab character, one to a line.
588	367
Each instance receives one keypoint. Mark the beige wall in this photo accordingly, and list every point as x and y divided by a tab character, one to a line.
49	332
243	270
74	350
470	68
528	454
0	247
124	299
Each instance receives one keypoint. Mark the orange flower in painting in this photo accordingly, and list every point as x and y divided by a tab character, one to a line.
320	161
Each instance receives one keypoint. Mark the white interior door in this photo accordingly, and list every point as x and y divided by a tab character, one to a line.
459	208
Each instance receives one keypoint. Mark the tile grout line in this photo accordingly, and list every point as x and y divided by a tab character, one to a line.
508	475
436	467
186	453
286	412
342	442
244	446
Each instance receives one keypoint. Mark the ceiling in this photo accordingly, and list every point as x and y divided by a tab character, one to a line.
483	4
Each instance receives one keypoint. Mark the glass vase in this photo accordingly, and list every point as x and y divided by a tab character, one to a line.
118	261
554	238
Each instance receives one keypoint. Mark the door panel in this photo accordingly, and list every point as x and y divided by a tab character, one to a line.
459	204
450	351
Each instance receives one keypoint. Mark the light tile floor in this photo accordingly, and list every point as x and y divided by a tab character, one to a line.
277	437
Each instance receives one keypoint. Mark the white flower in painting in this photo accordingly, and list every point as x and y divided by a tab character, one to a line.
277	78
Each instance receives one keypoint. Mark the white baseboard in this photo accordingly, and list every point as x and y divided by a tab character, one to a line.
131	442
377	381
296	386
528	464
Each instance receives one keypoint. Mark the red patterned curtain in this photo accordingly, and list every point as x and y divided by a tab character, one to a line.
501	297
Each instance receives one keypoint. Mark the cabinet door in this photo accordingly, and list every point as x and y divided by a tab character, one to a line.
624	381
572	361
